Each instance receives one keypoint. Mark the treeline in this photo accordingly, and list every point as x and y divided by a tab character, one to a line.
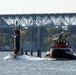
7	35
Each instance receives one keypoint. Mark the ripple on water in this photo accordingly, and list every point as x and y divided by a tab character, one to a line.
42	67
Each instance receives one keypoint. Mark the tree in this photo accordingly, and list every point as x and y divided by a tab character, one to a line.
72	29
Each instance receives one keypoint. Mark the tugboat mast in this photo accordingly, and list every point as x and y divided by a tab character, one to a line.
61	27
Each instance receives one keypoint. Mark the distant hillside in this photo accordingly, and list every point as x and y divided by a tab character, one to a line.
7	35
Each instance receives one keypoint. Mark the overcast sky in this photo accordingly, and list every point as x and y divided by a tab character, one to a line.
37	6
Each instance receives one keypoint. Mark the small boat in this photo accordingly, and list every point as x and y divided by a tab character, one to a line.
61	49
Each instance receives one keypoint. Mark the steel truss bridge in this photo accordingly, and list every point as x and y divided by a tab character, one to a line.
28	20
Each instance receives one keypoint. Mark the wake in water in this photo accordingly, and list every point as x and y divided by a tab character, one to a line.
28	57
23	57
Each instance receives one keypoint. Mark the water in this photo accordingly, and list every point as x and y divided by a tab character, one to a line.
36	67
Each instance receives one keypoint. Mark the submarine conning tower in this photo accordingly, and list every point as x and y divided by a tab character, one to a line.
17	41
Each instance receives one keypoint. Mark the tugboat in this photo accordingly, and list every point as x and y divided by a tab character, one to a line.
61	49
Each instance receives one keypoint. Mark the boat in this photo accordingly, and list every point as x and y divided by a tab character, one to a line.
61	49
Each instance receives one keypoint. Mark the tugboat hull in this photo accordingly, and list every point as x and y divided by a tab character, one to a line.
59	53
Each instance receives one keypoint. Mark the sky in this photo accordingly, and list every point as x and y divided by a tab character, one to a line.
37	6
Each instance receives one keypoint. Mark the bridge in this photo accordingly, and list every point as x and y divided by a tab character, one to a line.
28	20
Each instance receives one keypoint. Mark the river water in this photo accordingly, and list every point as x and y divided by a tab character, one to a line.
36	67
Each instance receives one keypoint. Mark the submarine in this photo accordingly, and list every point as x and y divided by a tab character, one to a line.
18	53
